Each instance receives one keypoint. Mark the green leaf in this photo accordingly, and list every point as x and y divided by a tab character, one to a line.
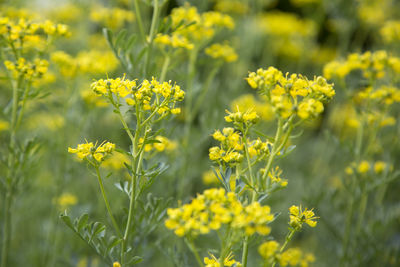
67	220
120	36
112	242
131	41
108	34
135	260
82	222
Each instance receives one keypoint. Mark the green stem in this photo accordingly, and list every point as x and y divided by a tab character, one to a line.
154	22
274	149
189	94
205	89
103	192
6	229
254	193
139	19
245	251
289	237
125	126
21	112
193	248
10	179
165	68
361	212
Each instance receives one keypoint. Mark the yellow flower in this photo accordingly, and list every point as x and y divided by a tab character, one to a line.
363	167
113	18
88	149
116	264
4	125
223	51
268	249
298	217
379	166
215	208
214	262
66	200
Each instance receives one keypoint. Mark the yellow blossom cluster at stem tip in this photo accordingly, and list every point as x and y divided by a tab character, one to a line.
231	6
288	34
163	144
116	264
89	151
24	33
292	94
299	216
390	31
222	51
291	257
248	101
231	147
275	177
190	27
66	200
214	262
149	95
93	61
215	208
373	65
113	18
27	70
383	95
364	166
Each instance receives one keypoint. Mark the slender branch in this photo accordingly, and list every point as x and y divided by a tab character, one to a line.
154	22
165	67
139	19
103	192
193	248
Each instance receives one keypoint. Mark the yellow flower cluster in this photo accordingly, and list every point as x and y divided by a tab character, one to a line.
163	144
288	34
384	95
231	147
174	40
291	257
286	25
247	117
214	262
365	166
294	94
149	95
374	12
231	6
390	31
116	161
23	32
66	200
202	26
275	177
113	18
89	150
248	101
299	216
91	98
93	61
295	257
268	249
222	51
214	208
27	70
372	65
